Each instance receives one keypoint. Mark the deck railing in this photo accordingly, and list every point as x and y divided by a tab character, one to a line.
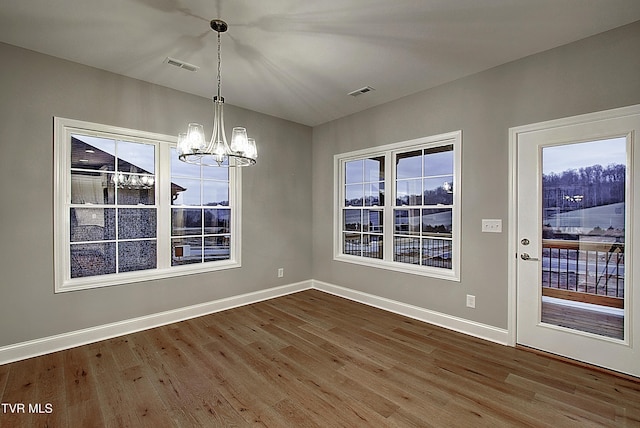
585	271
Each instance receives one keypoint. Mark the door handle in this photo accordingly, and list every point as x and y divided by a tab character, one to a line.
526	256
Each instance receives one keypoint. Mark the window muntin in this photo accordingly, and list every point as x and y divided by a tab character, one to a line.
420	211
123	207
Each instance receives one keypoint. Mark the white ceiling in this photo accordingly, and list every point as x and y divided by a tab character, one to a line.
298	59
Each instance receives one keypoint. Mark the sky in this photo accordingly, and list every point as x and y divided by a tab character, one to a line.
142	156
567	156
138	154
435	164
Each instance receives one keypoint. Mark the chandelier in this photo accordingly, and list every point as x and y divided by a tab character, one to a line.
195	149
133	181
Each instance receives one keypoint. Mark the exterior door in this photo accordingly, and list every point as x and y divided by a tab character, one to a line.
575	229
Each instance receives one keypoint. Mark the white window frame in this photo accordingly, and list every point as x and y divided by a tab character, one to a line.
63	129
389	152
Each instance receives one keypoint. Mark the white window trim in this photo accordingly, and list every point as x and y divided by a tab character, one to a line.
454	138
63	128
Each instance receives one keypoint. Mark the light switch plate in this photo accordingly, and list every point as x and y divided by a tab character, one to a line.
492	225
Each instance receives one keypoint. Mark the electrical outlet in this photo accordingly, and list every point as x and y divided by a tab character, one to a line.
280	272
492	225
471	301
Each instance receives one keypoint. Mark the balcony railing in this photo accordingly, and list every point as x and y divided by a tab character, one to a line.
412	250
435	252
591	272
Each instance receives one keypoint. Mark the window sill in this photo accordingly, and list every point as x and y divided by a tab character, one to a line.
86	283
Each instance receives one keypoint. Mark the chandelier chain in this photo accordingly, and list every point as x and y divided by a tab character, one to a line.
219	68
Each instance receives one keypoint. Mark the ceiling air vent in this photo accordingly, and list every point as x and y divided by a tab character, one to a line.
181	64
361	91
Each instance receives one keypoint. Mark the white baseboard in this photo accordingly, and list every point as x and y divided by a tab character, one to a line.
472	328
46	345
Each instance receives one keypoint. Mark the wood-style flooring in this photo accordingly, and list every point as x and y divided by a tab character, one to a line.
310	359
604	324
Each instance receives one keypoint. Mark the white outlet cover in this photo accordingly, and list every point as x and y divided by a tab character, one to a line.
471	301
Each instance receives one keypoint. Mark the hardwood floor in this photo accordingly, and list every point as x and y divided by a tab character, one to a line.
309	359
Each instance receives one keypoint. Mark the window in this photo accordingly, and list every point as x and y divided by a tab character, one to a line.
112	208
200	213
363	212
127	210
398	206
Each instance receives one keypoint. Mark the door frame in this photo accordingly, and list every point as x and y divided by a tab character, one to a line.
513	189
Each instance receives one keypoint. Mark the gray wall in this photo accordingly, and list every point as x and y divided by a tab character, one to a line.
287	213
276	227
593	74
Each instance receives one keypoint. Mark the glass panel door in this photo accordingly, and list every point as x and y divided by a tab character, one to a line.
576	216
583	236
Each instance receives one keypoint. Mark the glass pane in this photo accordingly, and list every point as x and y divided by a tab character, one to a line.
437	222
352	244
136	255
438	161
409	192
183	169
372	221
215	193
136	223
373	195
217	221
374	169
93	259
354	195
135	157
352	220
407	222
215	173
217	248
583	236
185	221
89	187
136	193
406	250
186	251
436	253
354	171
187	192
438	191
372	246
92	224
409	164
92	153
